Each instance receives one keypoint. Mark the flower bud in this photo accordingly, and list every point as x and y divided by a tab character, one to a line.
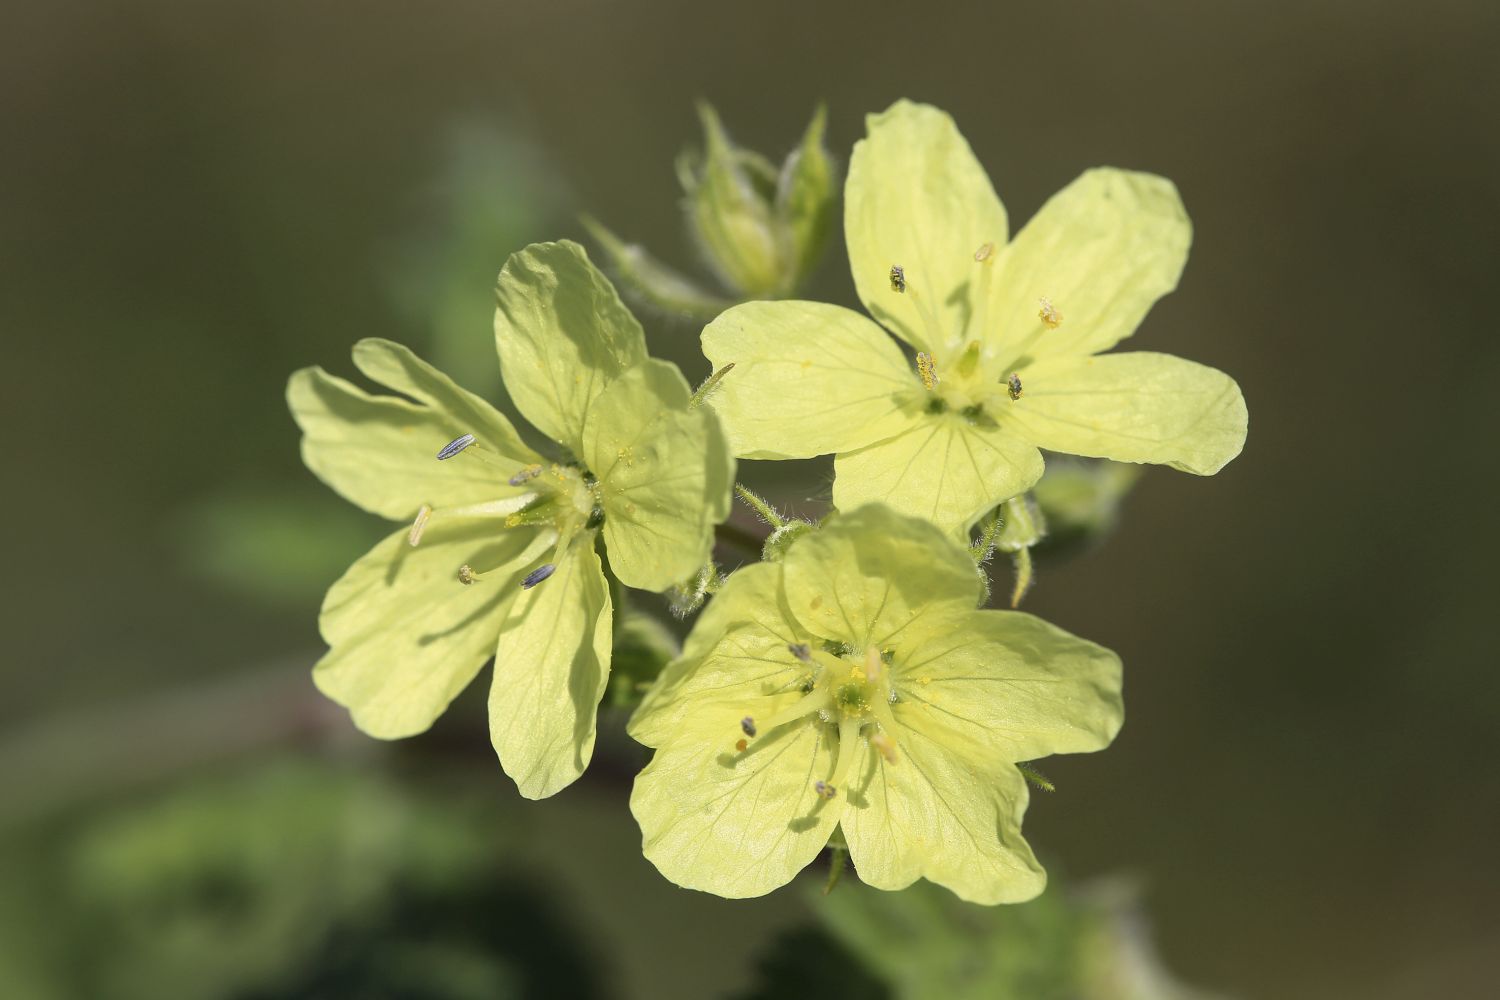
761	229
1081	498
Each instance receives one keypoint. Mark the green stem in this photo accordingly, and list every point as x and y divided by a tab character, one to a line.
837	856
759	505
709	385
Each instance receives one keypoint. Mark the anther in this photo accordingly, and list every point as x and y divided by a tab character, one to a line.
983	253
740	745
898	278
466	575
1048	314
414	536
1014	385
747	725
927	369
455	446
525	475
537	575
824	789
800	650
886	746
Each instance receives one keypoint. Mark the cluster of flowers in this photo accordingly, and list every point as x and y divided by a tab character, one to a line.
849	686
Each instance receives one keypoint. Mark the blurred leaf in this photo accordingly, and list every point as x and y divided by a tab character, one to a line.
923	943
1081	498
289	880
493	193
278	547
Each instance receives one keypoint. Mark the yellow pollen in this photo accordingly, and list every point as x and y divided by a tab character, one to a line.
1048	314
927	369
924	681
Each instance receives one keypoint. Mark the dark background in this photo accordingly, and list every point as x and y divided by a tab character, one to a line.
197	198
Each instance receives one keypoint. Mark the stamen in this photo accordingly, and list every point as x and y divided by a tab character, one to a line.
874	664
455	446
525	475
1014	385
887	746
979	319
801	651
414	536
1049	314
898	278
824	789
747	724
466	575
537	575
928	370
804	706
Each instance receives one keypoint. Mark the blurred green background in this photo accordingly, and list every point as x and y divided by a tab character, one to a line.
197	198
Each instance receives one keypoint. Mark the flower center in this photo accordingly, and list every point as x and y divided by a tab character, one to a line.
850	693
561	500
966	374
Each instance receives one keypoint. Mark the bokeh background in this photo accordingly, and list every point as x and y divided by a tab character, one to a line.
197	198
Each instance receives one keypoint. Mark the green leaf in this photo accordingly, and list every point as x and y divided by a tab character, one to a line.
808	379
1134	407
916	197
551	669
563	335
664	475
870	574
944	469
1102	251
406	637
380	452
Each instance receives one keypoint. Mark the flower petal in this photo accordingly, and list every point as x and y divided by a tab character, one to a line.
1134	407
551	667
1006	686
394	366
809	379
380	452
664	473
869	573
944	469
563	335
916	197
941	817
406	637
735	824
1102	251
735	655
